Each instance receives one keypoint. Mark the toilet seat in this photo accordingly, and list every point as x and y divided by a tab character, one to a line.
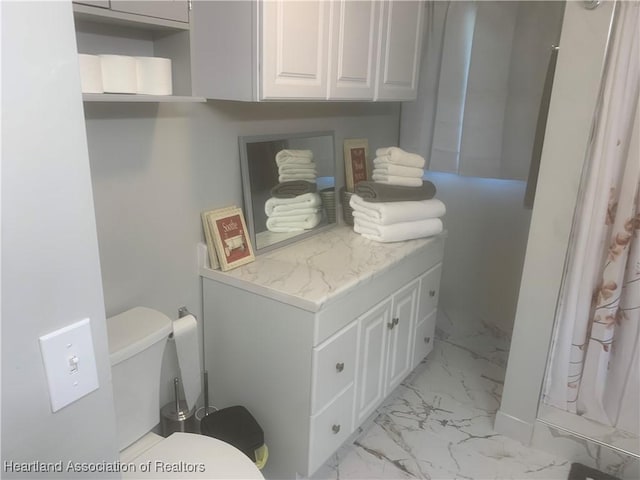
186	455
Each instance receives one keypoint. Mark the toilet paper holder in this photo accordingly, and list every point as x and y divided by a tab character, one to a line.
183	312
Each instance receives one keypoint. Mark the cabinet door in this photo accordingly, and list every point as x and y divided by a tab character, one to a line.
400	328
334	365
354	49
168	9
425	330
373	327
294	49
400	49
429	291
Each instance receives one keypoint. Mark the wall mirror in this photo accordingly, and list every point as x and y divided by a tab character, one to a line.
288	184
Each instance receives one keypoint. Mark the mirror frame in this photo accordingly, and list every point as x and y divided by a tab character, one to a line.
246	185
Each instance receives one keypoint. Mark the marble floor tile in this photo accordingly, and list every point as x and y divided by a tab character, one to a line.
438	424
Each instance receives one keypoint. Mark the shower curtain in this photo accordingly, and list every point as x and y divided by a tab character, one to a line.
593	369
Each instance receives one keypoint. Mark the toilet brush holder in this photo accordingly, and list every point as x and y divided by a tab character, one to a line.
176	417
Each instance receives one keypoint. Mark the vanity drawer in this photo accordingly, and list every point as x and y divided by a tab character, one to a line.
330	428
425	330
429	291
334	364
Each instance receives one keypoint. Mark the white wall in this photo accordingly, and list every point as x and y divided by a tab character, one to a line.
486	220
156	167
575	91
487	235
50	264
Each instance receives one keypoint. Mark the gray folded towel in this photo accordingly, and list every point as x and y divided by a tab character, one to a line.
383	192
293	188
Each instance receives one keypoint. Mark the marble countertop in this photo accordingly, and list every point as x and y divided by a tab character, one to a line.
318	269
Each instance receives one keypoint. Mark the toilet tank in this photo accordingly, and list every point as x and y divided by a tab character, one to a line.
137	339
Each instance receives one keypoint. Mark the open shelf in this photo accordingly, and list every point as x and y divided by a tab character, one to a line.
127	98
107	16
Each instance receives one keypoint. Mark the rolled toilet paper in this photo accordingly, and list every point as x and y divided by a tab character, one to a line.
154	76
90	73
185	334
119	74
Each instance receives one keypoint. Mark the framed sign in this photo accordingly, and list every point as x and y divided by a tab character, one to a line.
211	247
230	237
355	161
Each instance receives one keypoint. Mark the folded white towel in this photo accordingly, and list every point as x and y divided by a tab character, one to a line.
307	200
298	168
288	177
382	166
400	157
285	211
398	232
293	223
396	180
385	213
293	156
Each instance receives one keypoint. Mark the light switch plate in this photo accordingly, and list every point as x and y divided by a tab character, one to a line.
70	363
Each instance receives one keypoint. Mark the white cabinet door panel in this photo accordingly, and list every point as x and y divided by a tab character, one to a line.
429	291
371	359
334	363
354	42
330	428
423	343
400	49
294	49
400	335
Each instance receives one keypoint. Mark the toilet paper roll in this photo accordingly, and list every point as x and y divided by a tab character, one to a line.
154	76
119	74
185	333
90	73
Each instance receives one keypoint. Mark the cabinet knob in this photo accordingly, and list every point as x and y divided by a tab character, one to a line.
427	339
432	293
340	366
335	428
393	323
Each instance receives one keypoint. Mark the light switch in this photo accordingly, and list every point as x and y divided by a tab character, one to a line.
69	363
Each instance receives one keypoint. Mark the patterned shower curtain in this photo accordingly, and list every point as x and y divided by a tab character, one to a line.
593	368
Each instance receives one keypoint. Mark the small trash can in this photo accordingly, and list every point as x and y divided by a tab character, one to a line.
236	426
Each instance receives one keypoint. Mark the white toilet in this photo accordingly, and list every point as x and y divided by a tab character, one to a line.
137	339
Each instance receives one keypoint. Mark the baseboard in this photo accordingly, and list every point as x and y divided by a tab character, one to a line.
513	427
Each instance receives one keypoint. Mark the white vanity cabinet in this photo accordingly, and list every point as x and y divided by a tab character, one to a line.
307	50
312	337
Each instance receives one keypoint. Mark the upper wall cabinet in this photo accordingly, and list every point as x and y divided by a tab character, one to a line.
306	50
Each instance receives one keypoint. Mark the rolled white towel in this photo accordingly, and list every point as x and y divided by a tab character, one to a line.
400	157
307	200
385	213
396	180
288	177
382	166
293	223
398	232
293	156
